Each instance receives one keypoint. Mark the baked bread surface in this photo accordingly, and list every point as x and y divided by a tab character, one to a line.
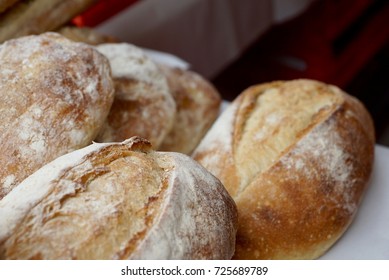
54	96
118	201
296	156
198	106
38	16
143	105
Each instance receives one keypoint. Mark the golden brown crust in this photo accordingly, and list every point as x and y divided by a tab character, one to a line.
198	105
297	164
55	95
39	16
118	201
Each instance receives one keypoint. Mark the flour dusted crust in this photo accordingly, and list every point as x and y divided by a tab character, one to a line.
296	156
54	96
143	104
118	201
198	106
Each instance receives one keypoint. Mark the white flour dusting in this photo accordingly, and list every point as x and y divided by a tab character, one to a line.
129	61
324	146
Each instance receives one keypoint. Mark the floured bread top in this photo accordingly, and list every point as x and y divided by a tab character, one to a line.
271	119
129	61
296	157
83	199
54	96
143	104
118	201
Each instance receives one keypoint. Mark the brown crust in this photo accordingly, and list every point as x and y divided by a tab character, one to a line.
198	106
52	91
296	197
119	201
39	16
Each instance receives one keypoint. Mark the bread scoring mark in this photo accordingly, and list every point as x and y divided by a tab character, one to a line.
97	183
149	213
320	185
311	185
273	116
194	197
333	164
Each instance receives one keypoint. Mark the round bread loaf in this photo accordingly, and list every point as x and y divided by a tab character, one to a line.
54	96
296	157
143	105
198	106
119	201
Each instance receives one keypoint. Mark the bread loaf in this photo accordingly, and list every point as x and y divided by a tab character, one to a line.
143	105
198	106
118	201
38	16
296	156
54	96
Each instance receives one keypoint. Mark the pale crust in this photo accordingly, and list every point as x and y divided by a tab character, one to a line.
198	106
118	201
296	157
54	97
143	104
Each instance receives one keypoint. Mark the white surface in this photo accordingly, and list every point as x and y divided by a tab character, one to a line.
368	236
209	34
167	59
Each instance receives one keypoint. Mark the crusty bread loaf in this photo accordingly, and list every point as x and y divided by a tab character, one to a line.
143	105
54	96
119	201
198	106
296	157
39	16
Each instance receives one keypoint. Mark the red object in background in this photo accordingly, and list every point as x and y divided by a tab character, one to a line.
332	41
101	11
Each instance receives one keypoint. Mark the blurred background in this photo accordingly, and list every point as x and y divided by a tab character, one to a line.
236	44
